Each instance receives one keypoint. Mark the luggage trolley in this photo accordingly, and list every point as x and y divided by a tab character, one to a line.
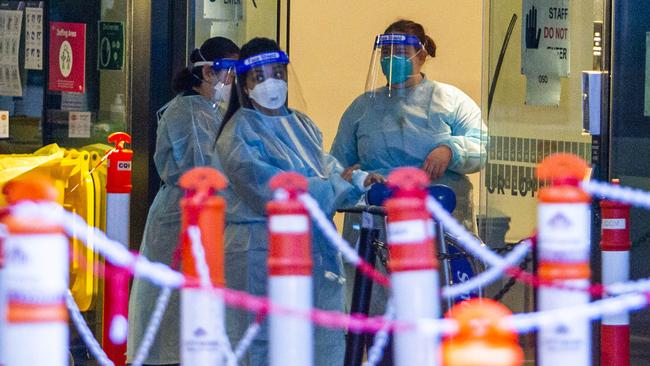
456	265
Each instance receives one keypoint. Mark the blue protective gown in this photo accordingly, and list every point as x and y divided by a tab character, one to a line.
186	138
253	148
382	133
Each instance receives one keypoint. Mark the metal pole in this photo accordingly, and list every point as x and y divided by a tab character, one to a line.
362	292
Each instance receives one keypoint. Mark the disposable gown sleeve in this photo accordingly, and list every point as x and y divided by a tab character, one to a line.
344	147
468	137
191	133
249	170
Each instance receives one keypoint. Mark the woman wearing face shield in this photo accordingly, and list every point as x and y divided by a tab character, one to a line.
186	135
405	119
262	138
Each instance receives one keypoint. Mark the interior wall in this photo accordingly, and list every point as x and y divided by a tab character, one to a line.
331	43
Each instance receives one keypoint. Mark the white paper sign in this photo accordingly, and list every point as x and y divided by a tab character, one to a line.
543	89
11	22
76	102
34	38
545	49
4	124
79	124
226	10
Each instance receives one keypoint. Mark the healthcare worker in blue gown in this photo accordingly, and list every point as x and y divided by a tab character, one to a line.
406	119
265	137
187	132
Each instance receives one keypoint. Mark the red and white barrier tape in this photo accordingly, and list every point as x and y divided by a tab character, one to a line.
152	327
86	334
491	274
165	277
202	268
347	251
376	351
632	196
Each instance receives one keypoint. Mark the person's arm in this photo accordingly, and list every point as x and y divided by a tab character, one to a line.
468	137
189	132
249	171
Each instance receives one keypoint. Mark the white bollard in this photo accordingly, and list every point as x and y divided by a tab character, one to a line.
413	266
290	268
564	224
203	337
35	281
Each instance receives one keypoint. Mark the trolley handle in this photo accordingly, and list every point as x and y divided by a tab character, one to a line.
375	210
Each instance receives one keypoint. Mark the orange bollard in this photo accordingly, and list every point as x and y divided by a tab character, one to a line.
35	279
290	269
482	339
563	251
202	310
413	265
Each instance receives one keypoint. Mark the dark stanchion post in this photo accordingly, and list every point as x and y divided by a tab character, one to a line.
362	291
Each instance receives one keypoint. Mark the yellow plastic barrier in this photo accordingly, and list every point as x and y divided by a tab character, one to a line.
97	152
14	165
79	197
80	178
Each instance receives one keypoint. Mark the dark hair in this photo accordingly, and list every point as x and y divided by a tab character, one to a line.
415	29
253	47
212	49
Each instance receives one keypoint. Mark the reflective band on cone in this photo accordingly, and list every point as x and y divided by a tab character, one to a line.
615	244
564	223
116	282
202	310
413	266
35	282
290	269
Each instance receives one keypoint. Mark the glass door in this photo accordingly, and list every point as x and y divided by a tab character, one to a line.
22	76
238	20
537	54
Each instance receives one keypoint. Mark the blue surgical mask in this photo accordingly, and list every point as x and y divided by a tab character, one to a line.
402	68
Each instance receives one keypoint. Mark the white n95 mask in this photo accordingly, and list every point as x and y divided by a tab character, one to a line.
271	93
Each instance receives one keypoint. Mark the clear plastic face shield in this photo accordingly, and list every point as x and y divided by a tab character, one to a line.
221	80
266	82
395	64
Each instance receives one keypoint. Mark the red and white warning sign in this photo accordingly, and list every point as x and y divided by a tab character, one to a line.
67	57
545	41
545	49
